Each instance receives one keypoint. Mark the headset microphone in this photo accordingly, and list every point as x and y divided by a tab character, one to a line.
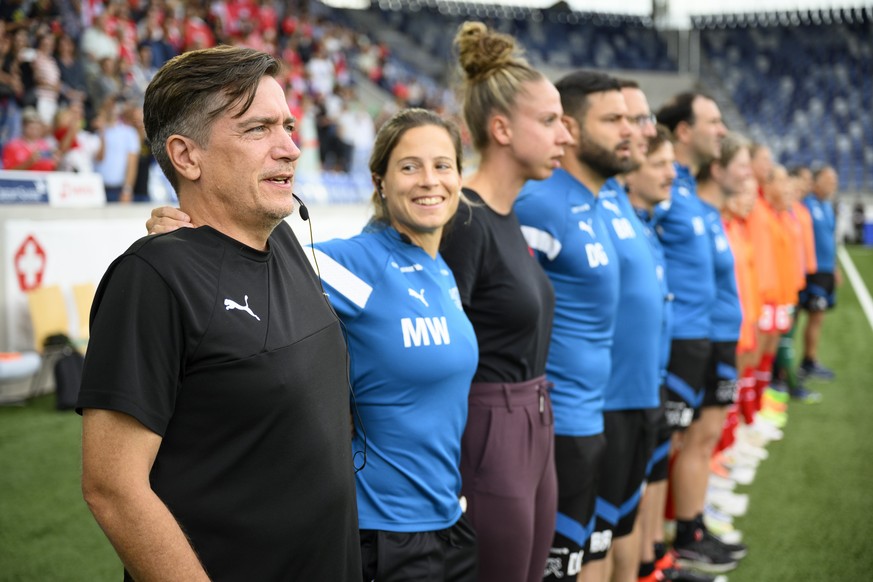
304	212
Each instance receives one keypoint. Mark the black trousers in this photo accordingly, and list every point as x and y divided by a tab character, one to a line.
447	555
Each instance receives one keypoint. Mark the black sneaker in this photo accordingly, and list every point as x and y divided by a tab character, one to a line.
705	553
682	575
812	369
735	551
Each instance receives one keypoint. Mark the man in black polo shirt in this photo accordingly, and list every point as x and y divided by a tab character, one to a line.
215	407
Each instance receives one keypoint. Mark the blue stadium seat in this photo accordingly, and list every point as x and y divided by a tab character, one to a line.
804	88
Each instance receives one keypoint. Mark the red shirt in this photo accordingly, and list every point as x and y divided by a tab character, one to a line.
18	151
198	34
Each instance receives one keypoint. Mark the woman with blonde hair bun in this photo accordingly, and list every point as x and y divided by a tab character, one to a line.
513	114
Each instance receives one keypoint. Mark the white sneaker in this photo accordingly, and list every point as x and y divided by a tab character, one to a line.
719	482
731	537
728	535
714	514
743	475
720	525
749	450
732	458
751	435
767	428
735	504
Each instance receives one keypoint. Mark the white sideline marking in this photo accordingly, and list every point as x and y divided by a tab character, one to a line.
857	282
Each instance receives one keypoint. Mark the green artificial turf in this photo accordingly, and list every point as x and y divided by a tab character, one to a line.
810	515
46	530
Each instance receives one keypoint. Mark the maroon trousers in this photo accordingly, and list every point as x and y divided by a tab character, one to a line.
508	471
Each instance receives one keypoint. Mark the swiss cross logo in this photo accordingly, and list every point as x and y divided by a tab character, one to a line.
29	264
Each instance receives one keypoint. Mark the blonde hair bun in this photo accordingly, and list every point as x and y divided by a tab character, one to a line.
482	51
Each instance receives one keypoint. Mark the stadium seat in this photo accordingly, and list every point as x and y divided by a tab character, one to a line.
48	314
48	317
83	296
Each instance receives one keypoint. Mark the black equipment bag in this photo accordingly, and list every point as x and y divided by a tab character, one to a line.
68	370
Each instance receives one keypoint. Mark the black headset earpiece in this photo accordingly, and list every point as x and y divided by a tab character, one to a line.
304	212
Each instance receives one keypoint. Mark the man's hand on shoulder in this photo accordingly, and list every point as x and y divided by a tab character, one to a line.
167	219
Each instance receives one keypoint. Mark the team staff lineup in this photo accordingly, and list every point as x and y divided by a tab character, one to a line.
486	423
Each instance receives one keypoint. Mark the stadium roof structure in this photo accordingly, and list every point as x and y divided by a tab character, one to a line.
671	13
797	17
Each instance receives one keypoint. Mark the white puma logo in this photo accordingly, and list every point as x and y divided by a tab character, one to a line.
586	226
610	205
419	296
231	304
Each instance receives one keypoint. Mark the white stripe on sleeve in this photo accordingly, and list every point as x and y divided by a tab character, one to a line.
540	240
342	280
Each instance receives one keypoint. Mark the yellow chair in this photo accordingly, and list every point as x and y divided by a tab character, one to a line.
48	316
83	296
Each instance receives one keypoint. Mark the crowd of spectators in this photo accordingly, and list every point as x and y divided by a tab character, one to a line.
73	70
